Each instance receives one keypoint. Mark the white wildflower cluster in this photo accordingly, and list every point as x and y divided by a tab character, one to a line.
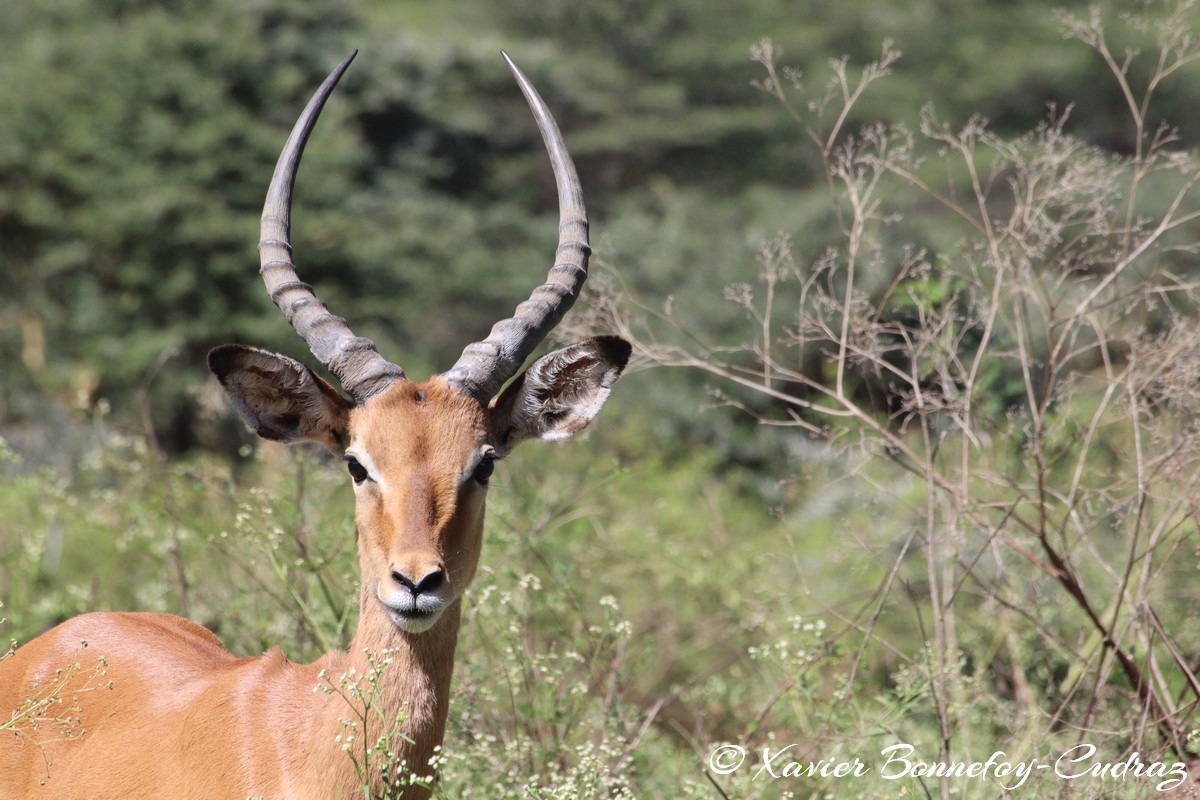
617	628
558	660
797	650
56	705
254	521
599	771
371	738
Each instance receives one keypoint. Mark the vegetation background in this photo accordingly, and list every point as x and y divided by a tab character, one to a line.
768	545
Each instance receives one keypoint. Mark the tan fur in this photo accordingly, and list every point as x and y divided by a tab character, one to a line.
184	718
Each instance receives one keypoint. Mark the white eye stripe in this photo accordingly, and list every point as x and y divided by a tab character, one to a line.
373	472
368	464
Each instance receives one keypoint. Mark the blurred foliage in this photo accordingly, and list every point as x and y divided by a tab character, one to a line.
137	139
625	618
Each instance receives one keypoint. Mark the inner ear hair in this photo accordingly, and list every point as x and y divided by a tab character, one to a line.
280	398
560	393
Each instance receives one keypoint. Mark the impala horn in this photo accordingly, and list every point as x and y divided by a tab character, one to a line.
354	360
485	366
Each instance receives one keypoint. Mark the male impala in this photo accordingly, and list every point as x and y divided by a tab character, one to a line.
186	719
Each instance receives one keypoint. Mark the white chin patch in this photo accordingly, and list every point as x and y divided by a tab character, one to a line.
412	622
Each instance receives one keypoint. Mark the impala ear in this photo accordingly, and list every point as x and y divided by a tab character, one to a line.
560	393
280	398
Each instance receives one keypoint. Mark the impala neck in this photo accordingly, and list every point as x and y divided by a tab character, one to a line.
413	689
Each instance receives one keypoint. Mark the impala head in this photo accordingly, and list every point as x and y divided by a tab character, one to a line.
420	454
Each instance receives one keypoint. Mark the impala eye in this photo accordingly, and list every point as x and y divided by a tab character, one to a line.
484	469
357	471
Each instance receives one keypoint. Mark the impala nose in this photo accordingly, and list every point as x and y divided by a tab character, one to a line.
430	582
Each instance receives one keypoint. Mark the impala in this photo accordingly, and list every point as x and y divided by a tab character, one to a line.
175	714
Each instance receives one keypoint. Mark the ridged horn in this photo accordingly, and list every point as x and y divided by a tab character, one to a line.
485	366
352	359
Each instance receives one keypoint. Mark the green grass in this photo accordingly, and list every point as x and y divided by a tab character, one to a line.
626	618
